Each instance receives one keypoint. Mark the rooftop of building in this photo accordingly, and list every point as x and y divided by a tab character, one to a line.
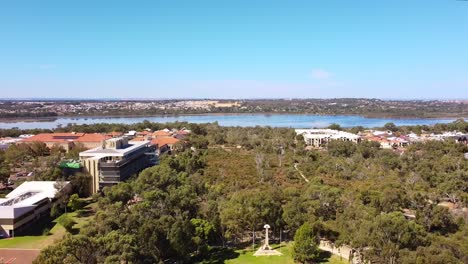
161	141
331	133
162	133
25	196
144	133
115	134
115	152
66	137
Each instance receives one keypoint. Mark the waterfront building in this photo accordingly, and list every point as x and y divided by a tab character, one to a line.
320	137
116	160
27	203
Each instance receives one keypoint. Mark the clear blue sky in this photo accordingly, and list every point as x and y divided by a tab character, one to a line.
234	49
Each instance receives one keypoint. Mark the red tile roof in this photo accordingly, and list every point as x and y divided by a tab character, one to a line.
161	133
66	137
377	139
144	133
161	141
115	134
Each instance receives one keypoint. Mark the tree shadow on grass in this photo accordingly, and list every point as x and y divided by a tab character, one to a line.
85	212
37	228
217	255
75	231
324	256
276	247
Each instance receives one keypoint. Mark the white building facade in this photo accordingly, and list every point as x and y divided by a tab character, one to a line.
320	137
27	203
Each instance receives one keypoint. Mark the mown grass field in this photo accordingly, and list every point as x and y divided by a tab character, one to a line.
245	256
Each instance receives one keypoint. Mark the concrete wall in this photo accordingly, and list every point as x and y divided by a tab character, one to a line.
91	166
8	225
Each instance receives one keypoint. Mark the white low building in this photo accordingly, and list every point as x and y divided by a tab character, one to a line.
320	137
25	204
447	135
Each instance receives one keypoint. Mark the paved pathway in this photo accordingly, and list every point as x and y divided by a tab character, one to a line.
300	173
343	251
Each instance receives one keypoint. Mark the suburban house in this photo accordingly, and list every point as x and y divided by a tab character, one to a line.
164	144
144	134
391	142
162	133
68	140
26	204
399	142
116	160
114	134
181	134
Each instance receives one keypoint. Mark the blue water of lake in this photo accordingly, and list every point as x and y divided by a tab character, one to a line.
244	120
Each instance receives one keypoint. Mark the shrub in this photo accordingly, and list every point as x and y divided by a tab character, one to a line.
305	246
66	222
46	232
75	202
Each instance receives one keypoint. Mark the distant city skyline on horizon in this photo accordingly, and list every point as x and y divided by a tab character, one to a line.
220	98
390	50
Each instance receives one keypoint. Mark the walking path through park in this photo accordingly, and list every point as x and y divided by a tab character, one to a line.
343	251
300	173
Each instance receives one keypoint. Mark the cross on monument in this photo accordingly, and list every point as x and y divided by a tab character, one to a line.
266	250
266	246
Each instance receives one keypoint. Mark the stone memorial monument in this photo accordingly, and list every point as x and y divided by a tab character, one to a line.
266	250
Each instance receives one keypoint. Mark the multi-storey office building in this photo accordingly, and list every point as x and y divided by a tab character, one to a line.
116	160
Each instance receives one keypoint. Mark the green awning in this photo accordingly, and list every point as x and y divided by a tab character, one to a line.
70	165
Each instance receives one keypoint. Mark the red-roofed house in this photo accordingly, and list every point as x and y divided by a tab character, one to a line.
115	134
181	134
162	133
384	142
143	134
164	144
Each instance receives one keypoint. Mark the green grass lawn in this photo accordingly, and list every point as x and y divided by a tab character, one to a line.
33	238
82	218
21	242
245	256
334	259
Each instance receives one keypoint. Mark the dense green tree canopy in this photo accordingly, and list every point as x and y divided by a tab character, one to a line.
386	205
